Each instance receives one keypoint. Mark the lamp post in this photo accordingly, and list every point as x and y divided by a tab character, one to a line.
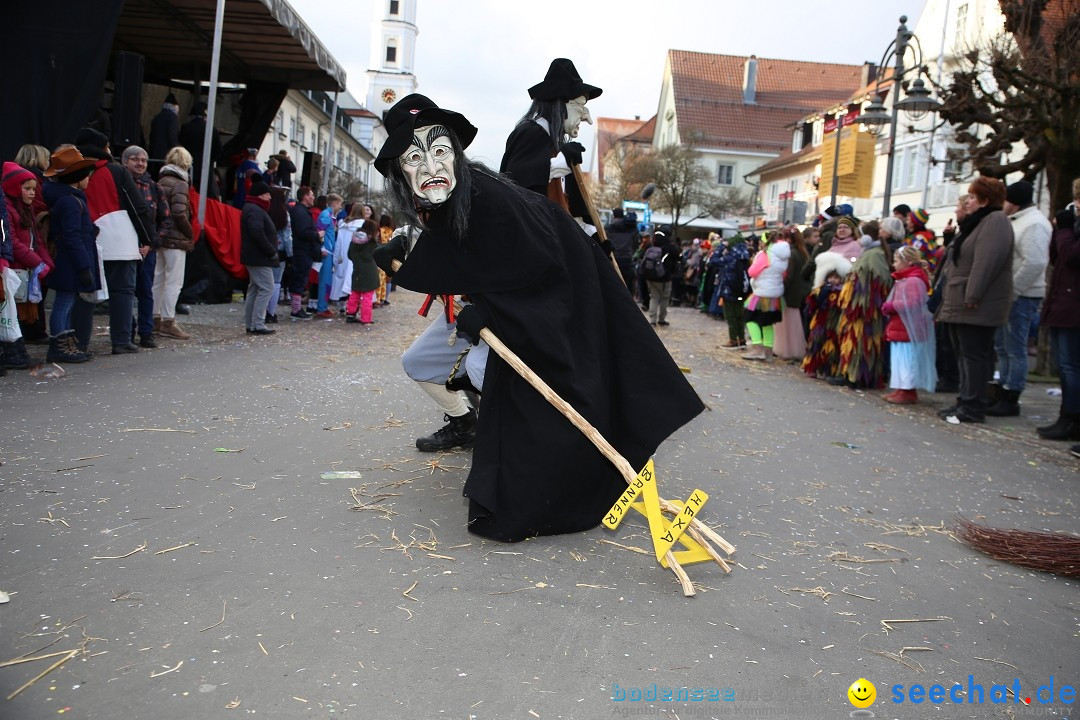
916	105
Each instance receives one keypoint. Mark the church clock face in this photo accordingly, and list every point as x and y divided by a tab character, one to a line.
388	96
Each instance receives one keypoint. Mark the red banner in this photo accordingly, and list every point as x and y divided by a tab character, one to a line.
222	232
830	123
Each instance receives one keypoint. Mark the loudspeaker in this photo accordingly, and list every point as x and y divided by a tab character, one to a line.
127	101
311	175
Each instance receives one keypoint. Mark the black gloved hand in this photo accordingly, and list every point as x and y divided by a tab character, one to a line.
385	255
605	245
86	279
470	321
572	151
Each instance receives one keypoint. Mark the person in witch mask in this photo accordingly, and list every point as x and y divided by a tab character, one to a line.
542	147
536	280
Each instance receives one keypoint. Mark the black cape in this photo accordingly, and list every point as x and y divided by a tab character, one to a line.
527	161
551	295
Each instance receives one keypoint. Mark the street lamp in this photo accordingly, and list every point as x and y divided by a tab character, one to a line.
916	105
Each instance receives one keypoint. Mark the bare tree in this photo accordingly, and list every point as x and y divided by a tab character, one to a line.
684	185
1023	88
622	180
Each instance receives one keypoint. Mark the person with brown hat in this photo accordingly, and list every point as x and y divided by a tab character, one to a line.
76	256
541	149
552	297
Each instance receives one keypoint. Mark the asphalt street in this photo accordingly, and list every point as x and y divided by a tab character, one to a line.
174	535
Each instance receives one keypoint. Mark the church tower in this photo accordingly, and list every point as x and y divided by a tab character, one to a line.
393	54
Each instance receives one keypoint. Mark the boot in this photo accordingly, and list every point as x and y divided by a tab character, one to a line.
1068	429
13	355
157	323
756	352
891	397
903	397
1007	405
458	432
170	329
147	341
993	392
62	349
1053	427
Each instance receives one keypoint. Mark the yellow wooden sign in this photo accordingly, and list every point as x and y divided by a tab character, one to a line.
664	533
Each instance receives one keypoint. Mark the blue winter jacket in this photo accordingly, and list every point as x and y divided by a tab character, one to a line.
74	235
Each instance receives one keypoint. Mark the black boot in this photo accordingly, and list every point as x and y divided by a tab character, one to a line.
1007	405
62	349
458	432
1069	429
10	356
1053	427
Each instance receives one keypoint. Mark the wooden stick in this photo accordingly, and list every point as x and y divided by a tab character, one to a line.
600	231
20	660
70	654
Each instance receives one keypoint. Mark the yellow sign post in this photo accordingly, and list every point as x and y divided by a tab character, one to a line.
664	533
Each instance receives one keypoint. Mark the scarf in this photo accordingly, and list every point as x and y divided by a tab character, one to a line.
256	200
967	226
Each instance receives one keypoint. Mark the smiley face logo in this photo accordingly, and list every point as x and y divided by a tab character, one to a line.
862	693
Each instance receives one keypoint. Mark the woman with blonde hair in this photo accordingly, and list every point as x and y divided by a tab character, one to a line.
176	242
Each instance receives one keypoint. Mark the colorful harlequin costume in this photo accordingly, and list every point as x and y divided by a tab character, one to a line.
862	324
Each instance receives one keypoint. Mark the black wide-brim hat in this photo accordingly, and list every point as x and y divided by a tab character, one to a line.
563	82
411	112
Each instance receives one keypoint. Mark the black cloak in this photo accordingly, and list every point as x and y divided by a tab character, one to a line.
551	295
527	161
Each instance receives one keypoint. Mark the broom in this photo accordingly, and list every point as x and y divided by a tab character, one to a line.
1049	552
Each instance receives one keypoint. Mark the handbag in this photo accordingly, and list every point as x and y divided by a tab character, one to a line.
102	294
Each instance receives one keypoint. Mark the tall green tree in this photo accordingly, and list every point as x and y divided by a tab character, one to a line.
1021	92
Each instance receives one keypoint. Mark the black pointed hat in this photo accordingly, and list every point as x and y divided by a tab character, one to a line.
563	82
411	112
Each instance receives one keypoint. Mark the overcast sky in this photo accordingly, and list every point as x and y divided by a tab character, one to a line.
479	57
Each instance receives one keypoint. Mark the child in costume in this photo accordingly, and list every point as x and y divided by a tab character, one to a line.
910	331
921	239
365	275
822	357
862	324
765	306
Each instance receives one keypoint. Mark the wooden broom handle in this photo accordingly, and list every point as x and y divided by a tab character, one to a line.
600	231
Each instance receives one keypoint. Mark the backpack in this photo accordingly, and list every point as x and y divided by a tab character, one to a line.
652	264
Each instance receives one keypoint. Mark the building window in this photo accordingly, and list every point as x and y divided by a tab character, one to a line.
314	144
281	121
819	132
961	25
725	174
292	129
394	9
797	140
391	52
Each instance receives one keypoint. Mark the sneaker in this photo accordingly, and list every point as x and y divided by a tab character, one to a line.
261	331
125	349
350	319
147	341
1075	450
964	415
663	323
270	319
326	314
300	315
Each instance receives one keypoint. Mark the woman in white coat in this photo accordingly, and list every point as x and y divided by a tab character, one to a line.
765	306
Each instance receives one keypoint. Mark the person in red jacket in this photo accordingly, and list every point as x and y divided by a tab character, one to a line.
28	251
910	330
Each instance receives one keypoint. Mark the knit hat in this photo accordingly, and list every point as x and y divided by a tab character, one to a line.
850	222
1020	193
170	99
13	177
89	137
919	218
258	188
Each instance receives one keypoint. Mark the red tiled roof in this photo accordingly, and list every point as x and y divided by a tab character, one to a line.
359	112
708	92
609	131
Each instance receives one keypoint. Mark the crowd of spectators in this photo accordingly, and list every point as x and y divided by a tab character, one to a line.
887	303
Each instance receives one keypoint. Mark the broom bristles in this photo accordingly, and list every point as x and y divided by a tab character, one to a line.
1057	553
